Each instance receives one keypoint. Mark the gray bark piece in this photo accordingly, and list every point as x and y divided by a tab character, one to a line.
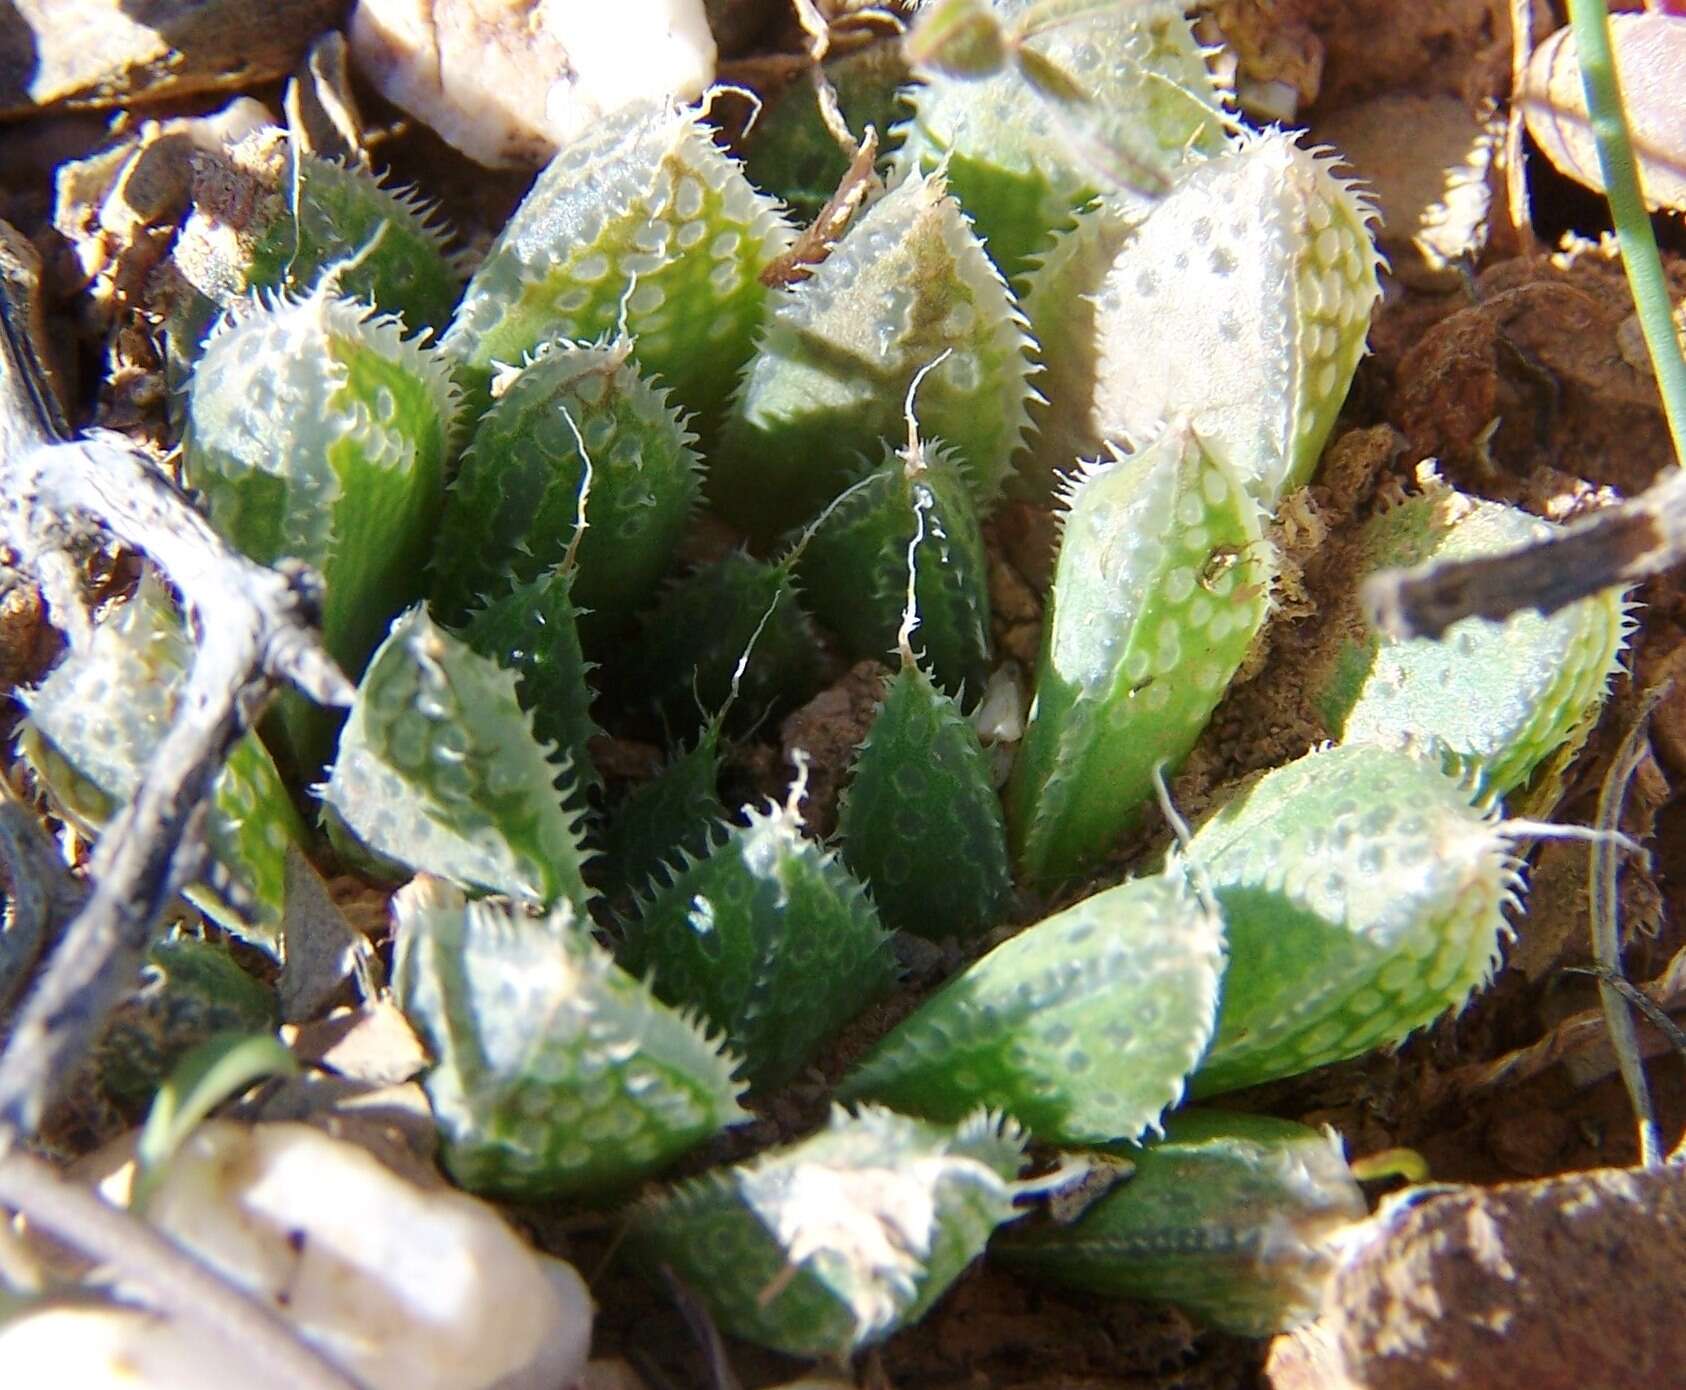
256	627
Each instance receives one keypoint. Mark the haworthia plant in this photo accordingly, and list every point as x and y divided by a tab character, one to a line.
1196	350
533	630
298	216
643	226
1363	895
770	938
1161	585
1242	302
832	1244
439	769
555	1072
94	724
906	284
920	795
853	568
1499	698
318	432
1082	1027
1063	101
1230	1216
580	459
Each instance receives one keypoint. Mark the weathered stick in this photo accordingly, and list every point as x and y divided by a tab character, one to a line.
254	628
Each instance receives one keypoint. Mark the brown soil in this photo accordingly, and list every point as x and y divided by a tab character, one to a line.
1521	1085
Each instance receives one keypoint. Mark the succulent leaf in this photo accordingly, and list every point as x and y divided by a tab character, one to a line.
533	630
556	1073
439	770
791	154
1229	1216
1082	1027
300	216
190	990
643	226
852	567
95	723
770	937
736	610
318	432
920	796
1161	585
1086	98
513	510
272	218
1241	301
1500	698
906	283
1059	302
1362	894
833	1243
665	820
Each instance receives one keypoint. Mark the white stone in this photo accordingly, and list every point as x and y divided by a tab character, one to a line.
407	1288
508	82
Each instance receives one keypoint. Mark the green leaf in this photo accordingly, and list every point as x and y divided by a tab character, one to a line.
309	216
525	484
920	822
1082	1027
737	610
644	227
1498	698
1363	895
1086	98
94	725
789	151
1059	301
439	770
556	1072
907	283
770	938
666	820
317	432
1230	1216
1161	586
852	566
1241	302
832	1244
533	631
217	1070
190	989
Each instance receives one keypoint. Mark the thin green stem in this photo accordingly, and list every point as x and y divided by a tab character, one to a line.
1591	21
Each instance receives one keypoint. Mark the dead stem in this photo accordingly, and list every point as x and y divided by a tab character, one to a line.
1606	938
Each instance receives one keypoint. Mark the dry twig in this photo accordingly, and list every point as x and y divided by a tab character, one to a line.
1576	1036
1606	938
